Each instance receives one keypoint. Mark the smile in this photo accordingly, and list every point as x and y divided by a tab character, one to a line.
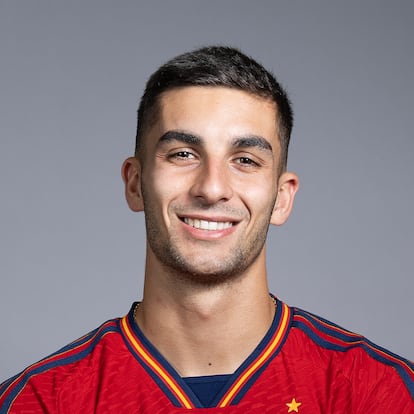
207	225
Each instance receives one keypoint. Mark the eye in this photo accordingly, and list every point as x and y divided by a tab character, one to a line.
183	154
182	157
246	161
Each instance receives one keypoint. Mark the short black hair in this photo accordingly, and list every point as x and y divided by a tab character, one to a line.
215	66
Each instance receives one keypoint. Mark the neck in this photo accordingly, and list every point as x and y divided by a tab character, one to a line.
205	330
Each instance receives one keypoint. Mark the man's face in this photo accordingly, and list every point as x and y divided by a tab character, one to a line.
209	181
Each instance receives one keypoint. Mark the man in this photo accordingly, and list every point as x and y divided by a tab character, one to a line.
209	173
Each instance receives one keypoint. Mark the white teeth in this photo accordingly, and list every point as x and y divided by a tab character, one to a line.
212	225
208	225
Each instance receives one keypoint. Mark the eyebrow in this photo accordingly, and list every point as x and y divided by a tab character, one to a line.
253	141
191	139
184	137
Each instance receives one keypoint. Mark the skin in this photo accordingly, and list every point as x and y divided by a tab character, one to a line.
212	157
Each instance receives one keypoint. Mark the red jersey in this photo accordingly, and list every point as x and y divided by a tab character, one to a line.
304	364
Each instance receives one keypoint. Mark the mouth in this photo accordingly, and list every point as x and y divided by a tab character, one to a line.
207	225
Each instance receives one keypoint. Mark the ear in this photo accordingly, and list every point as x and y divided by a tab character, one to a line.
288	185
131	175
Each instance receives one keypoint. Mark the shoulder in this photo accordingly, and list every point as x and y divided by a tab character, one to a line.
366	366
41	383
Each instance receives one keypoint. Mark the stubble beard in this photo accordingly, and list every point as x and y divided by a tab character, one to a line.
211	271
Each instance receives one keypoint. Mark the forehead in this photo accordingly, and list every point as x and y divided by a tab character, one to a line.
213	111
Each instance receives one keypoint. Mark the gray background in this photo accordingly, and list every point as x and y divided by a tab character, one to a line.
72	254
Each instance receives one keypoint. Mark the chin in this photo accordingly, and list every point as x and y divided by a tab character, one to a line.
209	279
204	274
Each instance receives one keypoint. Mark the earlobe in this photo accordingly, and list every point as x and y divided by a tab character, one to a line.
131	175
287	187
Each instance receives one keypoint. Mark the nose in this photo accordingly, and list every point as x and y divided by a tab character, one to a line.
212	184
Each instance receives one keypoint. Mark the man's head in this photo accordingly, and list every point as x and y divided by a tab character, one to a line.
209	170
215	66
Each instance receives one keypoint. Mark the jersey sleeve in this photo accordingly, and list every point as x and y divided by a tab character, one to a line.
379	388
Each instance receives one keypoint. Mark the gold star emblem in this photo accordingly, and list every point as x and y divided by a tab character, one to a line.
293	406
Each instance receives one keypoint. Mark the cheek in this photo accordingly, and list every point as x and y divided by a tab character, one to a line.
166	192
260	198
167	188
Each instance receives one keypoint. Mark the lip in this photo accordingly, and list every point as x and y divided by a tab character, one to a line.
207	228
196	216
210	225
